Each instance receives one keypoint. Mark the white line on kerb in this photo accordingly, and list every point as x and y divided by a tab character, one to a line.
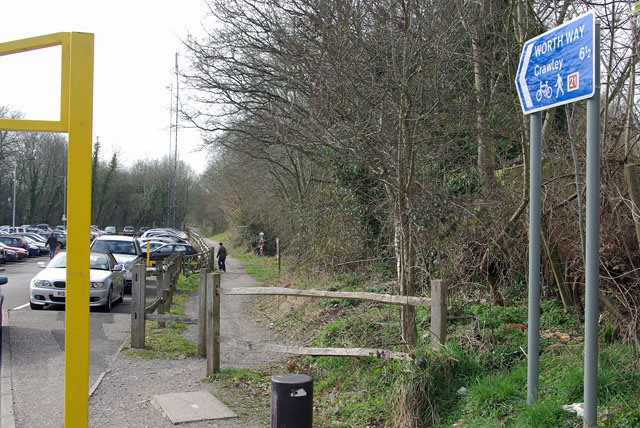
20	307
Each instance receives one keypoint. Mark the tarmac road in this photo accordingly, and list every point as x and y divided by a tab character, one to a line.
35	346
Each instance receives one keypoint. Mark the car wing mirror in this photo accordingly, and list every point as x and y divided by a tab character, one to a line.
117	268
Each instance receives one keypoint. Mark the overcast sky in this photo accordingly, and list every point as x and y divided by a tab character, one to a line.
135	46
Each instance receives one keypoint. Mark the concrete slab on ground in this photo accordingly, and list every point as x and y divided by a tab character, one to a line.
192	406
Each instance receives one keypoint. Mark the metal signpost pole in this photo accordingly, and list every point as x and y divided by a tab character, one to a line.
592	260
559	67
535	208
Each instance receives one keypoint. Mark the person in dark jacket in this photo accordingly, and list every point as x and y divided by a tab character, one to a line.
222	256
52	243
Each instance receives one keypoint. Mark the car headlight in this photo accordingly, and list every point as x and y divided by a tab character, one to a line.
128	265
97	285
42	283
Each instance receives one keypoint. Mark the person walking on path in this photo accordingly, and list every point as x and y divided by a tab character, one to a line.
52	243
222	256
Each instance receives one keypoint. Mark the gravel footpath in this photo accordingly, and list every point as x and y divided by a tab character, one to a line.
123	398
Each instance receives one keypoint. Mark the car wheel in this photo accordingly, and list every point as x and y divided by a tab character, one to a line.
121	298
107	306
35	306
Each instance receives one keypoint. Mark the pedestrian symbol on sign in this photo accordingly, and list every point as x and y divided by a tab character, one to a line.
574	81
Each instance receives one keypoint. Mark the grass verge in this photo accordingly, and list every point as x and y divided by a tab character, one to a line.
169	342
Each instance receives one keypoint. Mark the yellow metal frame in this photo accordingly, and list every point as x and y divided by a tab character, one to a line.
76	118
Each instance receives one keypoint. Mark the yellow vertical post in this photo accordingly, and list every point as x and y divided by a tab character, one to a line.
76	356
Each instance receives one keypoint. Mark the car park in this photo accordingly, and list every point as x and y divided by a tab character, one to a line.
105	277
125	249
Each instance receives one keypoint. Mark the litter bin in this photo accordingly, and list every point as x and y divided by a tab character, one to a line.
291	401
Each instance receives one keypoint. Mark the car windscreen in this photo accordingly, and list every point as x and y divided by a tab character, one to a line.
99	261
116	247
59	261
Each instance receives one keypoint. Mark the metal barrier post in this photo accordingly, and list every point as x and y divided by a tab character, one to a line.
291	401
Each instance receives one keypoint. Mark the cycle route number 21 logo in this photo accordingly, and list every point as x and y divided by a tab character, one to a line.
573	81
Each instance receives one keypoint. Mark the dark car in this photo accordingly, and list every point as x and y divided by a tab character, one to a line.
166	250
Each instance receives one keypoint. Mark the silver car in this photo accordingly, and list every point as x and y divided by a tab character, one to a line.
125	249
105	276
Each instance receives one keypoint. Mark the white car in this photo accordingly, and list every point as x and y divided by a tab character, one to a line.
105	277
125	249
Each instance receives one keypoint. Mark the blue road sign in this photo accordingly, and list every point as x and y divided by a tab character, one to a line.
557	67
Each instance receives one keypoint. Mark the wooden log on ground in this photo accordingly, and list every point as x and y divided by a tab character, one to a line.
327	352
170	318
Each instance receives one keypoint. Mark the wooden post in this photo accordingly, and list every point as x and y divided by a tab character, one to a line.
159	292
439	304
278	253
213	258
138	288
202	314
215	297
213	324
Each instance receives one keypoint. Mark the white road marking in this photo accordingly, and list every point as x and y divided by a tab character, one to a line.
20	307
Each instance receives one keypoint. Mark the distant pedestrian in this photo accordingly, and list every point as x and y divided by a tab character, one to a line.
52	243
222	256
261	244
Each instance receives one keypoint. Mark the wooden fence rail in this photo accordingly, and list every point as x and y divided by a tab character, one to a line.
209	337
438	304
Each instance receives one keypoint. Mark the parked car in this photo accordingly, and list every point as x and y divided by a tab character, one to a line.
18	253
152	245
3	256
125	249
128	231
9	254
105	277
110	230
17	243
166	250
13	241
142	230
62	237
36	243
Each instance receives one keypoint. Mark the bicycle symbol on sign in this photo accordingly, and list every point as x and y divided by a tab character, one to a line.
545	90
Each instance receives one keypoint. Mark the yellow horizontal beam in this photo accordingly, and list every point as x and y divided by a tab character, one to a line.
33	43
32	125
40	42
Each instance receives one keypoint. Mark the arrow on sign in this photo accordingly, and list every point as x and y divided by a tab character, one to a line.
523	81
